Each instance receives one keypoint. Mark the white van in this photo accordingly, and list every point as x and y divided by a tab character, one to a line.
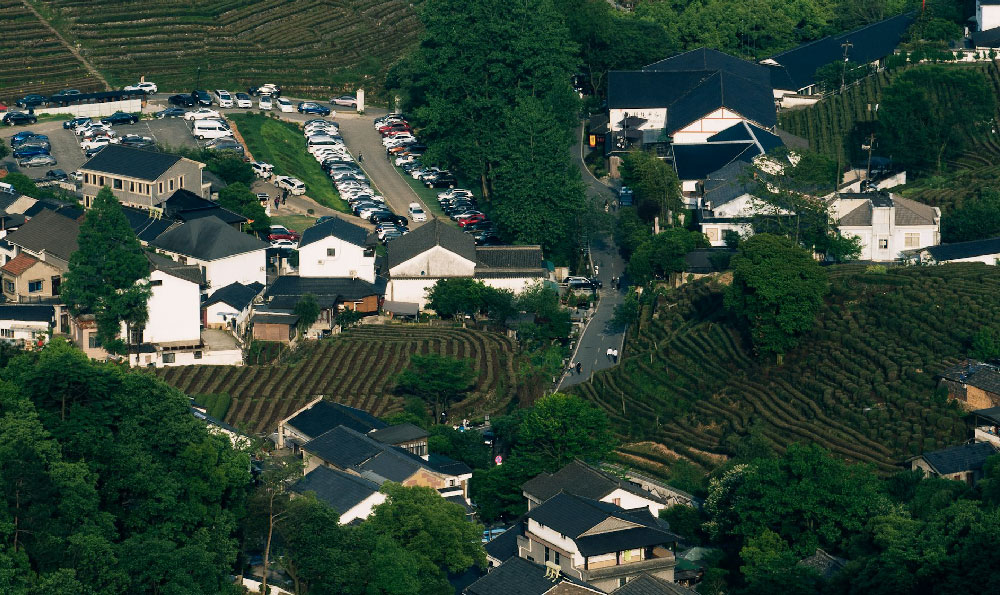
204	129
417	212
285	105
322	140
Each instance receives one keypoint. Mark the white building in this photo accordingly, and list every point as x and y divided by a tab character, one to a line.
887	224
985	251
225	255
987	14
729	205
352	496
26	324
231	307
337	248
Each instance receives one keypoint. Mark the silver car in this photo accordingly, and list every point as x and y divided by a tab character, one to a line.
37	161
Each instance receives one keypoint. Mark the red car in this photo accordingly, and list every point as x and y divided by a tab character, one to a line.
471	219
394	129
280	232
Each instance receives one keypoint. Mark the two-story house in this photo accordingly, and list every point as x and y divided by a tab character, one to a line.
888	225
139	178
338	248
581	479
963	463
352	496
601	544
26	325
319	417
225	255
231	307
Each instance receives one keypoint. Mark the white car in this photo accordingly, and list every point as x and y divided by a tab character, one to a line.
405	159
265	102
292	185
201	114
454	193
100	141
243	101
146	88
283	244
263	170
91	126
417	212
285	106
76	176
223	98
268	89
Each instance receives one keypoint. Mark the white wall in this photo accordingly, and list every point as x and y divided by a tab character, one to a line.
656	117
630	501
174	310
988	16
362	510
514	284
436	262
245	268
24	330
348	260
95	110
869	236
990	259
699	130
220	313
228	357
556	539
410	290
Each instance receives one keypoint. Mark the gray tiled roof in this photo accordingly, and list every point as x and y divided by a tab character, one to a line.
338	228
207	238
580	479
331	287
433	233
518	576
405	432
342	491
956	459
236	295
647	584
504	546
509	257
343	447
971	249
186	272
133	163
729	183
324	416
48	232
858	217
32	312
911	212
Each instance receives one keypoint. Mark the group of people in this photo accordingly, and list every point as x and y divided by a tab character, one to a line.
280	200
613	354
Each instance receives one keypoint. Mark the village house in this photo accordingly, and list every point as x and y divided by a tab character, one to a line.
974	383
740	144
985	251
320	416
518	576
231	307
26	325
887	224
332	295
277	327
960	463
224	255
581	479
338	248
352	496
986	425
138	177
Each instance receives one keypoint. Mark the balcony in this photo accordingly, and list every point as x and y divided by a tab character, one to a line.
658	559
987	434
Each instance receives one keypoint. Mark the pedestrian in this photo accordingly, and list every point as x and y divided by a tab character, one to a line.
614	354
361	158
609	353
579	368
277	201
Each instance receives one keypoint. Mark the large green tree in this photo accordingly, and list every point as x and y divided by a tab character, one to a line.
777	291
655	183
663	254
929	114
238	198
437	379
106	272
975	219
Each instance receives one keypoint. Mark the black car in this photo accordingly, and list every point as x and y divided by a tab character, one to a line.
120	118
19	140
94	151
201	97
136	141
56	174
182	100
489	240
64	95
32	100
75	121
171	112
19	118
445	181
388	217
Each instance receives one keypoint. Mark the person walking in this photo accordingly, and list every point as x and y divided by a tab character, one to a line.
361	158
277	201
609	353
614	355
579	368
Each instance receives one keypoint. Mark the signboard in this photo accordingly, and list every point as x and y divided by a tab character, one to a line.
593	140
498	460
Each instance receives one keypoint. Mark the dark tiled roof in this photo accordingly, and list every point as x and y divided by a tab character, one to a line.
391	465
31	312
343	447
616	541
956	459
131	163
634	89
580	479
184	205
728	183
339	228
146	227
509	257
697	161
986	39
990	413
324	416
208	238
48	232
236	295
275	318
959	250
19	264
518	576
823	563
705	59
911	212
907	211
797	67
858	217
399	433
433	233
187	272
749	98
700	261
69	210
447	465
325	289
647	584
976	374
504	546
342	491
745	131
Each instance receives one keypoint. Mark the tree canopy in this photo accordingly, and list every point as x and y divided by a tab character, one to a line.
437	379
238	198
975	219
657	189
663	254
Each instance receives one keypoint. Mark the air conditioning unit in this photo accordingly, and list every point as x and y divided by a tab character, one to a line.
320	262
353	274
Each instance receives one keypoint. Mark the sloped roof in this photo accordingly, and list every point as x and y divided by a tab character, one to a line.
32	312
518	576
728	183
132	163
796	68
20	263
324	416
208	238
749	98
647	584
396	434
860	216
745	131
326	289
907	211
447	465
510	257
956	459
275	318
504	546
911	212
184	205
237	295
977	374
990	413
66	209
342	491
986	39
146	227
187	272
343	447
433	233
697	161
634	89
49	232
959	250
339	228
823	563
706	59
580	479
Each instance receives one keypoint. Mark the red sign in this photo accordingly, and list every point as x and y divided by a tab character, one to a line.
498	460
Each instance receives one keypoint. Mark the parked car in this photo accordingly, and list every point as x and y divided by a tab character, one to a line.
201	97
30	138
201	114
223	98
417	212
32	100
283	244
470	218
311	107
266	89
442	181
262	170
285	105
99	141
74	122
280	232
88	127
120	118
488	240
265	102
136	142
64	95
25	151
183	100
20	137
347	100
146	88
37	160
243	101
582	283
171	112
76	176
57	175
93	151
18	119
292	185
226	143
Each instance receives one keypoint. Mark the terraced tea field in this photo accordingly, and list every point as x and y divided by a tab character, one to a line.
310	47
357	369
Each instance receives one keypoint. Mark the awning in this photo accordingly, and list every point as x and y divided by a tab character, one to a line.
401	308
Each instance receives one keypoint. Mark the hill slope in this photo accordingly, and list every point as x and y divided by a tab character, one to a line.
862	384
307	46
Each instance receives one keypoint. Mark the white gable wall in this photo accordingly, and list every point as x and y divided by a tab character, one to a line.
436	262
656	117
347	260
517	285
174	310
362	510
699	130
631	501
987	16
219	315
245	268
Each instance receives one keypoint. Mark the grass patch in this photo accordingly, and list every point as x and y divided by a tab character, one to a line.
297	223
216	405
54	117
282	145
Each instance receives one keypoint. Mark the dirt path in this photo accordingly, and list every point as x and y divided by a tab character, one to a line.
72	49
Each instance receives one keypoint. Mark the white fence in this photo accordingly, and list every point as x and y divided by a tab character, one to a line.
95	110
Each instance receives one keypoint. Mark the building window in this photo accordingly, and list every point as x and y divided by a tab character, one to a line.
169	358
546	553
197	355
621	582
912	240
556	558
86	201
7	333
160	186
93	342
171	183
155	282
713	234
131	186
34	286
180	181
331	252
102	182
8	286
117	184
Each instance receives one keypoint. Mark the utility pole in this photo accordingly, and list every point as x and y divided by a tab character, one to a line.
847	45
871	143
